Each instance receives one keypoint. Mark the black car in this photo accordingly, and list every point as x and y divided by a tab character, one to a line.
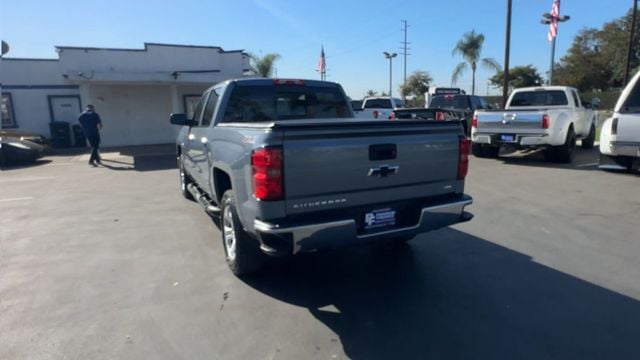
463	105
14	150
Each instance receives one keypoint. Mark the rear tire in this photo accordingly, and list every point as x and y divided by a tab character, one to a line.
587	143
490	151
476	150
550	154
564	152
3	158
185	180
242	252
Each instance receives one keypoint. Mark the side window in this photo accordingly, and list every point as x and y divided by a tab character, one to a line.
476	103
575	98
210	108
197	115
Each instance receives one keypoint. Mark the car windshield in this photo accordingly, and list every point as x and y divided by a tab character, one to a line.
285	102
450	102
539	98
632	104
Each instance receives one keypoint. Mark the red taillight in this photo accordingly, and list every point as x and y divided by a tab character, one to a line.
545	121
375	114
614	126
287	82
266	164
440	116
474	121
463	162
392	116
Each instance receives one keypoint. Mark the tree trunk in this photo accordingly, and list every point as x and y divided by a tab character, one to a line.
473	81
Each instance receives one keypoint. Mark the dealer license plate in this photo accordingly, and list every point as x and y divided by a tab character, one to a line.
508	137
379	218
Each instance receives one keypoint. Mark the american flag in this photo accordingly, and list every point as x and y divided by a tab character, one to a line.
553	26
322	62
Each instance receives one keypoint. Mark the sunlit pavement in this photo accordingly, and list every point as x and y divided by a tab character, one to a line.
111	263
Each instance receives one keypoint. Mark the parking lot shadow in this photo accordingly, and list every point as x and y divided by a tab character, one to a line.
142	163
584	159
154	162
451	295
24	165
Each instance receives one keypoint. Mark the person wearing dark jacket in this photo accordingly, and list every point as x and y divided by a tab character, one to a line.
91	125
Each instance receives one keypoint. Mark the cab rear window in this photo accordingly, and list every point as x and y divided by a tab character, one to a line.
249	103
539	98
632	104
378	104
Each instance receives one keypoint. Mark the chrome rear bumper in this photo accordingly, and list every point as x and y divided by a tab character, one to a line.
308	237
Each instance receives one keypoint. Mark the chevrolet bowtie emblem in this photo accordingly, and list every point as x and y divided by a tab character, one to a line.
383	171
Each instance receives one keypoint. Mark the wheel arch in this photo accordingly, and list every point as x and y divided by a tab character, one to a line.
221	182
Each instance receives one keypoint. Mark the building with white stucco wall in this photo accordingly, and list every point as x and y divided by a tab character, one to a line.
133	90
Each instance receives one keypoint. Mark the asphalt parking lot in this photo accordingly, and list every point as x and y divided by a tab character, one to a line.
111	263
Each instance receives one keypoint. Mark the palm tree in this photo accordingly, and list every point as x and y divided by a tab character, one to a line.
263	66
469	47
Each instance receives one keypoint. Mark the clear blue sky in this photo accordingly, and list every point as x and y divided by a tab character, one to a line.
354	34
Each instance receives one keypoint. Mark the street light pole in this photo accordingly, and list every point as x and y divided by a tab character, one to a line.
390	56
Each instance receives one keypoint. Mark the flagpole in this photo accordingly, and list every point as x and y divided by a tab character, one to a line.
553	55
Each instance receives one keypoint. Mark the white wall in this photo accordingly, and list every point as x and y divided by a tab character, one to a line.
30	72
134	114
131	89
154	63
31	108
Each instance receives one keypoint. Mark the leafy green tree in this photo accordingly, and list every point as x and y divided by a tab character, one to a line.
263	66
519	76
470	47
417	84
371	93
597	58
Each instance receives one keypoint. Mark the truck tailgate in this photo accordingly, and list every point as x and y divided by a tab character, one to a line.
521	121
354	164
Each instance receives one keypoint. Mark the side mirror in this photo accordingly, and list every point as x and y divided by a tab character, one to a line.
180	119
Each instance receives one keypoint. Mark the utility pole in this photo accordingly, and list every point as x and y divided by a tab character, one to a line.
630	48
507	48
390	56
405	51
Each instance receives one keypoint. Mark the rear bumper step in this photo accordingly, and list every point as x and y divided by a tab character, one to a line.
310	237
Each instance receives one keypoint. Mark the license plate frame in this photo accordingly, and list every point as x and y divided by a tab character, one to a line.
380	218
510	138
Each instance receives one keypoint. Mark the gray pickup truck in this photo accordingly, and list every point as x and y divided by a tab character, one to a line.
285	167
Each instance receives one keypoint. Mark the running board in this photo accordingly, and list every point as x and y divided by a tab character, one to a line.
202	200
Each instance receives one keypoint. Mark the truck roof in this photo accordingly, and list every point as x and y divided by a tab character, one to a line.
544	88
380	97
271	81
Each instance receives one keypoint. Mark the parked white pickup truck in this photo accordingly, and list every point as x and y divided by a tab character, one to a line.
551	117
378	107
620	135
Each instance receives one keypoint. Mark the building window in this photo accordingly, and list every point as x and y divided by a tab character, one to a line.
6	109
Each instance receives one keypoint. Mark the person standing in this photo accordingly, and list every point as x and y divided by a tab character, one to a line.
91	125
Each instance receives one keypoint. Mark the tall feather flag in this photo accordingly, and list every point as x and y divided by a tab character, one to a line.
322	63
553	25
